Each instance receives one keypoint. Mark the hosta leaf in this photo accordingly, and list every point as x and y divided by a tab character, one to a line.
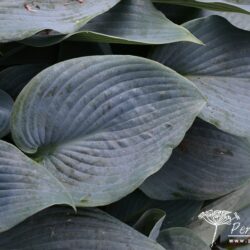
240	20
150	223
221	70
181	239
25	187
5	110
34	16
13	79
103	124
135	21
130	21
178	213
207	164
61	228
221	5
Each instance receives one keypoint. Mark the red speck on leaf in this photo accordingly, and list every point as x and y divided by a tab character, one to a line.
28	7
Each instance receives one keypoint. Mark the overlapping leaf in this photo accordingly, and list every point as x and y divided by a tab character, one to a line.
21	19
181	239
103	124
221	70
61	228
13	79
25	187
221	5
208	164
240	20
179	213
5	110
130	21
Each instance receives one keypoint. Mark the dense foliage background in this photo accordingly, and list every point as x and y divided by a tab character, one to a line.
124	124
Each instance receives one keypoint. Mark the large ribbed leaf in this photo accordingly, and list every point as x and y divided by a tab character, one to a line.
179	213
13	79
221	70
130	21
61	228
103	124
221	5
135	21
21	19
25	187
181	239
207	164
6	104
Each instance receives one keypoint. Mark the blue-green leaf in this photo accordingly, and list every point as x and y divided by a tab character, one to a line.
129	22
221	5
21	19
61	228
207	164
103	124
220	69
25	187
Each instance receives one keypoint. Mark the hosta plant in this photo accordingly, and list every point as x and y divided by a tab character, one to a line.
124	124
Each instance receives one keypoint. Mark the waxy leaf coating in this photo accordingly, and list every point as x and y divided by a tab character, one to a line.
21	19
220	69
61	228
25	187
103	124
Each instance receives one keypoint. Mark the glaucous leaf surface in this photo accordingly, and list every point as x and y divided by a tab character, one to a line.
240	20
206	165
34	16
221	5
150	223
25	187
130	21
179	213
135	21
103	124
6	104
13	79
220	69
181	239
88	229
